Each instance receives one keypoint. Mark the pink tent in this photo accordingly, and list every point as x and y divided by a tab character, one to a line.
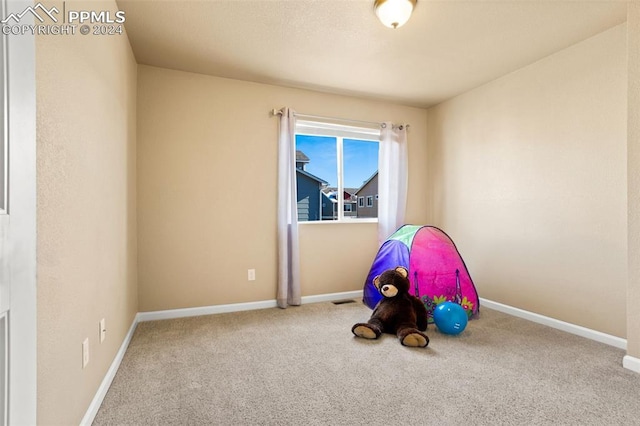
436	269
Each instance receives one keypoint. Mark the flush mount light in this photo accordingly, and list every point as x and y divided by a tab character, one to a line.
394	13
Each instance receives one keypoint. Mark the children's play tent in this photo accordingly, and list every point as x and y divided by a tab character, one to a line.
436	270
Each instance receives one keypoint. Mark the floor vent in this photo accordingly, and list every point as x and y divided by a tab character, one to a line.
342	302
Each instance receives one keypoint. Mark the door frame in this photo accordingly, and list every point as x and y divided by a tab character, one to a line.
20	104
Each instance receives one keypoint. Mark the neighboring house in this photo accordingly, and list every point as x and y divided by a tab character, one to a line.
301	160
329	211
350	202
367	196
310	196
329	204
317	201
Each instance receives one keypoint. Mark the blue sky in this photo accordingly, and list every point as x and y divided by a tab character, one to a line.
360	159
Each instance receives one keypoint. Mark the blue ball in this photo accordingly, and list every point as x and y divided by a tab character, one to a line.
450	318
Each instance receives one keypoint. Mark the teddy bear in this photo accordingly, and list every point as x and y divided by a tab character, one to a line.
398	312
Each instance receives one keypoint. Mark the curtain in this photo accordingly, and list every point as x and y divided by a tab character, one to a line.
392	179
288	256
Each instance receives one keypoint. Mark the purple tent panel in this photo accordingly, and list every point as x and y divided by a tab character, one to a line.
392	252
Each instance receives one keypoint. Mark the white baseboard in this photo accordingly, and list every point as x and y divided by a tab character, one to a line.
560	325
108	378
237	307
205	310
631	363
331	297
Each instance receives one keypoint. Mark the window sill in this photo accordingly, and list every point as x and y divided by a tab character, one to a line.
341	222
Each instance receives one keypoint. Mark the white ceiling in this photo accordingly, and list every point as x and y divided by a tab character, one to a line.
339	46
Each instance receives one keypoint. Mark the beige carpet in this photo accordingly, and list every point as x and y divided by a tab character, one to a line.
302	366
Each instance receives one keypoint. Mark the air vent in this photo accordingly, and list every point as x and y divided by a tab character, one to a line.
342	302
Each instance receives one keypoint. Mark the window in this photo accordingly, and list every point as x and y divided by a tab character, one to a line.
369	200
334	163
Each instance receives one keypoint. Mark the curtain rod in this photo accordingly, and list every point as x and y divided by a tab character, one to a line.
319	117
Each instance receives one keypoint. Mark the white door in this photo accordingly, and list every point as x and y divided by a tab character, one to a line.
5	251
17	224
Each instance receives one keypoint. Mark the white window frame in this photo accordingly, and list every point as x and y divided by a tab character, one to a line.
340	132
369	200
360	201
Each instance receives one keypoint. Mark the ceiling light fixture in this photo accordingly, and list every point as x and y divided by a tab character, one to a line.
394	13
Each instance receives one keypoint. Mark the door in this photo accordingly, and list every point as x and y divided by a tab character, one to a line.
5	253
17	222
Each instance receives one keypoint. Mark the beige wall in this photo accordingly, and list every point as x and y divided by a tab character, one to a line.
633	191
528	175
207	175
86	132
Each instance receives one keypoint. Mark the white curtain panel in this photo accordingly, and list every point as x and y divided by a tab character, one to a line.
288	252
392	179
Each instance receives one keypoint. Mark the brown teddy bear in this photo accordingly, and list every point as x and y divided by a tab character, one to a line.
397	313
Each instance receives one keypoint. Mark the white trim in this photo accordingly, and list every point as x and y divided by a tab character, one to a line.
4	116
340	161
90	415
237	307
205	310
323	128
631	363
347	219
330	297
21	128
598	336
4	383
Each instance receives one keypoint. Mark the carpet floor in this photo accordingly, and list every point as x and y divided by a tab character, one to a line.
302	366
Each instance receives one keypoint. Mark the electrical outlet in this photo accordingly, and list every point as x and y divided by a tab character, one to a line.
103	330
251	274
85	352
